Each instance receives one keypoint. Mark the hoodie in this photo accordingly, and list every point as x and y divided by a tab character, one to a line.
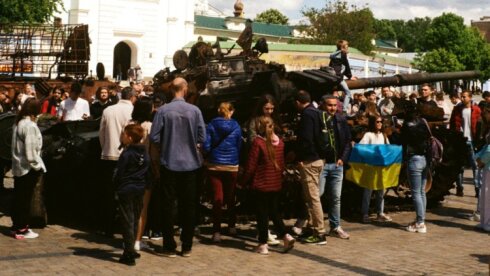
132	174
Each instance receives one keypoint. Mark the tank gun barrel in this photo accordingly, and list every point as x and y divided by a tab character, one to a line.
411	79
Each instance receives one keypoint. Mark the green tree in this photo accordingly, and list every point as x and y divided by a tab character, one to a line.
411	34
384	29
272	16
338	20
28	11
438	60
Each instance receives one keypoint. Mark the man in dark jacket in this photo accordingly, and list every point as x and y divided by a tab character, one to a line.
310	164
335	158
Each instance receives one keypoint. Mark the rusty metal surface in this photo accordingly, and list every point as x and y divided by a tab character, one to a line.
410	79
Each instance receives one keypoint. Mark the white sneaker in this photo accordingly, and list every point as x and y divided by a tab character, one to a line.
29	234
297	230
137	246
272	241
417	228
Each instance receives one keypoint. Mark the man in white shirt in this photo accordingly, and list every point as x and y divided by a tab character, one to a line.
74	108
113	120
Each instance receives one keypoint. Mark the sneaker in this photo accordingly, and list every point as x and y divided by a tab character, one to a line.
316	239
146	235
127	259
217	237
459	191
26	234
366	219
272	241
186	253
475	217
339	233
262	249
156	236
232	231
383	218
417	228
272	236
136	255
140	245
288	242
297	230
168	253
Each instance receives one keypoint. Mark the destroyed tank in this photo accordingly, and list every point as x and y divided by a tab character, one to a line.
241	79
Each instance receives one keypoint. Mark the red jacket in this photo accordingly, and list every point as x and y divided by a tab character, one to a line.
45	106
265	177
456	121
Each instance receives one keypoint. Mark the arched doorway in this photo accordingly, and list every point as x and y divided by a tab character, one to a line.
122	60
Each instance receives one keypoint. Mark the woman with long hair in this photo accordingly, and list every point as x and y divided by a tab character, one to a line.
374	136
266	106
415	137
27	166
223	142
142	115
264	168
51	104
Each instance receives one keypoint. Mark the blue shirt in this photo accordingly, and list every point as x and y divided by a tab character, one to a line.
177	128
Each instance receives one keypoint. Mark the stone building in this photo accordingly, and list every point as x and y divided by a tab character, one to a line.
132	32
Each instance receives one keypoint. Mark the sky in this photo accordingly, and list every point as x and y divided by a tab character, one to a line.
382	9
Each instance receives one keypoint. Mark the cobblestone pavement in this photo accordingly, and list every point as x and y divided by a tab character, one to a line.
452	246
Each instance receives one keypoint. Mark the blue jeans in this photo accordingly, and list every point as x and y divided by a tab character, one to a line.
348	95
477	173
333	176
417	177
366	198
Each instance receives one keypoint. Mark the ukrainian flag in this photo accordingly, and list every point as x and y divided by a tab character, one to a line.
375	167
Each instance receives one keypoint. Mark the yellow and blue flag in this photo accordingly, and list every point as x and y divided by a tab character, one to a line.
375	167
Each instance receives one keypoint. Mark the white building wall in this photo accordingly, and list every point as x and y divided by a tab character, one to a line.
152	32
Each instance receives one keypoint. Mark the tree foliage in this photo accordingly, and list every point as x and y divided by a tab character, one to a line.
272	16
384	29
464	44
438	60
338	20
28	11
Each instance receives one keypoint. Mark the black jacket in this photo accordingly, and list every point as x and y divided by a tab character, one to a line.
342	137
340	63
308	134
132	173
414	135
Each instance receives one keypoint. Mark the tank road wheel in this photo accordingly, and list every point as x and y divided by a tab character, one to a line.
181	60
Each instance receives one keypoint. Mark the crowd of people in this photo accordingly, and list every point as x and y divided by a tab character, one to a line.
154	150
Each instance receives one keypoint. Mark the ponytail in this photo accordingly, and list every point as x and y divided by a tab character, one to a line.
225	110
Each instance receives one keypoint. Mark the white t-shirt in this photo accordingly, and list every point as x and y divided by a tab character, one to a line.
467	123
372	138
71	110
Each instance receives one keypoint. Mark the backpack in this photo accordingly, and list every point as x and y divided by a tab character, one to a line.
435	148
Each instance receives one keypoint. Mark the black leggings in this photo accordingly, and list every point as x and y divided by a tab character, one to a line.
23	191
267	207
